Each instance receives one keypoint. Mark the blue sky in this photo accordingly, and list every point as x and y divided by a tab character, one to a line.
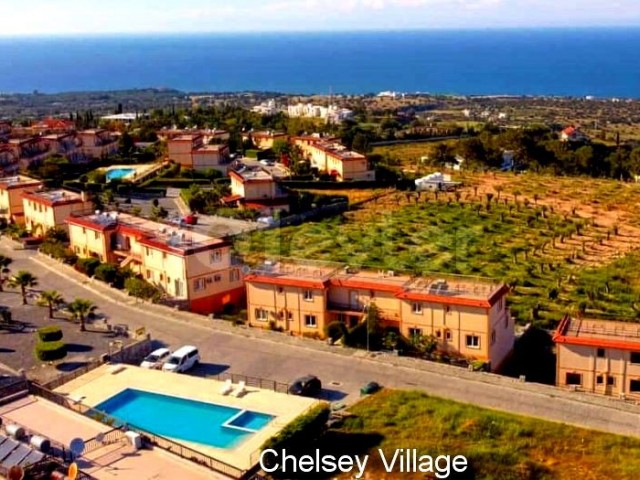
33	17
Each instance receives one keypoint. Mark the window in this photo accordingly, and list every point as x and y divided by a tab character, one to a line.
416	308
198	284
493	337
634	386
146	251
573	379
164	255
473	341
84	231
216	256
599	380
611	381
217	278
262	315
280	290
290	315
635	357
600	353
234	276
447	335
161	277
148	274
415	332
308	295
177	284
96	235
310	321
438	333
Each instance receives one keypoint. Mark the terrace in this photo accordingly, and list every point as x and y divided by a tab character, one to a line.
598	333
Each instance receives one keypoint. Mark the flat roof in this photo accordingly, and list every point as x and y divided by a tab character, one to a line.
55	197
339	151
254	174
18	181
100	384
598	333
116	461
450	289
154	234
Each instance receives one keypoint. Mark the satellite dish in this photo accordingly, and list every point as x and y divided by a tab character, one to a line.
16	473
100	437
77	446
246	269
72	474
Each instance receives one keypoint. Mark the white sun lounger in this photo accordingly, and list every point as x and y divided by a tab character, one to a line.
226	388
242	389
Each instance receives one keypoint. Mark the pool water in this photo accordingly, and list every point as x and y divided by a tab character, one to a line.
118	173
181	419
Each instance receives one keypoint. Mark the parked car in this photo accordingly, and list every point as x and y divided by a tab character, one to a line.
191	219
307	386
369	388
182	359
156	358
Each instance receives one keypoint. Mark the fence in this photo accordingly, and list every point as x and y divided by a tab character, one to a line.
67	377
107	438
12	388
148	438
256	382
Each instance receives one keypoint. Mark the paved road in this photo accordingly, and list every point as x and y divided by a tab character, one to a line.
282	362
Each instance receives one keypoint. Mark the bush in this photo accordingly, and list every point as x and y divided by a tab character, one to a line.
335	331
108	273
50	333
141	289
58	251
49	351
299	434
88	266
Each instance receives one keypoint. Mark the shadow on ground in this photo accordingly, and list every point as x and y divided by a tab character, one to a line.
70	366
78	348
331	395
209	369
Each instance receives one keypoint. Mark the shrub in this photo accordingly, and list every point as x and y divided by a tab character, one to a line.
50	333
335	331
141	289
107	272
88	266
300	433
58	251
49	351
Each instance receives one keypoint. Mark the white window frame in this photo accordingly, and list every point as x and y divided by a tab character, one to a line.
215	257
307	295
262	315
234	275
472	344
307	322
416	308
199	284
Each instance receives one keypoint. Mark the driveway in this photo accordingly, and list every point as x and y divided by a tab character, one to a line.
342	374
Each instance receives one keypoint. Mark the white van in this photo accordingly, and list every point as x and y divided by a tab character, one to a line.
182	359
156	358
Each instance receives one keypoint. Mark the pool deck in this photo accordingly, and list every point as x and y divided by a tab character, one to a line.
101	384
142	171
113	462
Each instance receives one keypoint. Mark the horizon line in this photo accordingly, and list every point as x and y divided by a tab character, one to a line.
166	33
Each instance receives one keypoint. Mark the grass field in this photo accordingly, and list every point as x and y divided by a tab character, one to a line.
499	446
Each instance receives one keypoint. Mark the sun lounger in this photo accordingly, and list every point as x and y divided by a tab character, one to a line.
242	389
226	388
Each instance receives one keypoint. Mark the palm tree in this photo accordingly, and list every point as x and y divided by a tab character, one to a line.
80	309
23	279
4	269
51	298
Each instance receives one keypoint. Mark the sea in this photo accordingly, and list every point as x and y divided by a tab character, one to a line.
599	62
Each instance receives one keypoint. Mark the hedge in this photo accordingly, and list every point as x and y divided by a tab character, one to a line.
50	333
176	182
49	351
299	434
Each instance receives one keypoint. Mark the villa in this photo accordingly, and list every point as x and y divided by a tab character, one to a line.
195	270
327	155
97	143
64	144
257	189
209	135
264	140
26	152
574	135
191	151
11	190
468	316
598	356
44	210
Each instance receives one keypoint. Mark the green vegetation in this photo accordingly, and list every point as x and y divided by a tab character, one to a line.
80	310
50	351
4	269
136	287
50	333
50	299
23	280
499	446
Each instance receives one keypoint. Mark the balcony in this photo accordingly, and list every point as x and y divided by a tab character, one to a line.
353	308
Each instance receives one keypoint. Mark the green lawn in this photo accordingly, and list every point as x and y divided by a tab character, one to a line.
503	243
499	446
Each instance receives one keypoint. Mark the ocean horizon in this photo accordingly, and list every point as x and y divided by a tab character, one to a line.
601	62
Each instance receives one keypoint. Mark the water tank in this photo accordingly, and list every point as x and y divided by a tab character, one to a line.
16	431
40	443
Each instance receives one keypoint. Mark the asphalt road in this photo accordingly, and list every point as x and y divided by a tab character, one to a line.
342	376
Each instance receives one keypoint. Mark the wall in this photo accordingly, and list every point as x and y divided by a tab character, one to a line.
86	242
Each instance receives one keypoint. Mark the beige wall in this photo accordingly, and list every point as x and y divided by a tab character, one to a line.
584	361
11	203
180	152
86	242
287	307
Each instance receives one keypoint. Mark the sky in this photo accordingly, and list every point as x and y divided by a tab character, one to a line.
69	17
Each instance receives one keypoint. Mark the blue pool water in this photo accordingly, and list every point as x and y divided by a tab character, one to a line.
118	173
181	419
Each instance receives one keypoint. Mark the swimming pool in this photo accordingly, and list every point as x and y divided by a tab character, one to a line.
181	419
118	173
